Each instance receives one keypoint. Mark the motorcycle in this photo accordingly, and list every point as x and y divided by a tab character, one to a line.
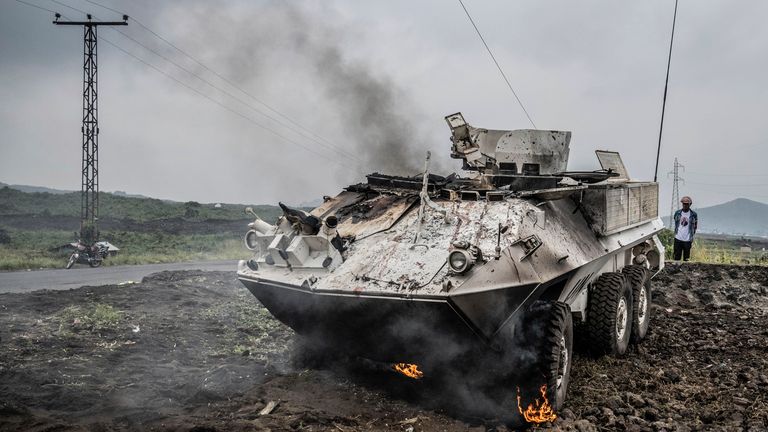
92	255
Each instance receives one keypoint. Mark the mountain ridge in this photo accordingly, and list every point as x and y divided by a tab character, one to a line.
740	216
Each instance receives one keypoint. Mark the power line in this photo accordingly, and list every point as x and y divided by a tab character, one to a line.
231	95
232	84
664	101
497	63
199	93
726	175
348	156
70	7
245	103
272	131
36	6
730	185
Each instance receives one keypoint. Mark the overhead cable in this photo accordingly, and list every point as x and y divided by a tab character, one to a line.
36	6
503	75
664	100
215	87
726	175
328	146
199	93
233	84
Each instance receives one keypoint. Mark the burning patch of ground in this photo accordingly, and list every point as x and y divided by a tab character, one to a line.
195	351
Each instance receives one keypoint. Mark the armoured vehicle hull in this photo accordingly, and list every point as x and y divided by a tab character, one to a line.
432	271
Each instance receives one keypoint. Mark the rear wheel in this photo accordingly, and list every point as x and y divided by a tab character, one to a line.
639	278
95	262
609	315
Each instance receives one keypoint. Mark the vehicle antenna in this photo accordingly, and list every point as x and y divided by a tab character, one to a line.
664	101
501	71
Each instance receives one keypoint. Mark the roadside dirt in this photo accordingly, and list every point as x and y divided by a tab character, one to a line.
194	351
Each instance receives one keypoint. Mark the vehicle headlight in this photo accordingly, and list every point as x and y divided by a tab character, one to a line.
459	261
251	240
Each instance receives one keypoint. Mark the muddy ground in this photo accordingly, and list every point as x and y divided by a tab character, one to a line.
194	351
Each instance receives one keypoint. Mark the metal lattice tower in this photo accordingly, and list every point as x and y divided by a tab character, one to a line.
89	199
675	173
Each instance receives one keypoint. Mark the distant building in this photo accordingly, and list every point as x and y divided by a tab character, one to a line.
745	248
217	205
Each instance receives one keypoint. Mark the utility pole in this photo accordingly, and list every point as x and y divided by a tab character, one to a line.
664	100
89	196
675	173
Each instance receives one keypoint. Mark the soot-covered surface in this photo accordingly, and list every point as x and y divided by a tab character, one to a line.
195	351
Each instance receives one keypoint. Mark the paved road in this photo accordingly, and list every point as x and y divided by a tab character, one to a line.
61	279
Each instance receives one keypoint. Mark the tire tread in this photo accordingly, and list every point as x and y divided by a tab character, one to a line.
601	313
638	276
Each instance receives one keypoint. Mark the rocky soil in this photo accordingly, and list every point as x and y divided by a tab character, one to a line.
194	351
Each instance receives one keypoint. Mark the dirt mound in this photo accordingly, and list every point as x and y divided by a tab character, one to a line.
195	351
712	286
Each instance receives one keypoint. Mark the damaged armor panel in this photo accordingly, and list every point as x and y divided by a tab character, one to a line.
526	152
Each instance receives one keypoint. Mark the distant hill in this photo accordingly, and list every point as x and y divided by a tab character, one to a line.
31	189
738	217
14	202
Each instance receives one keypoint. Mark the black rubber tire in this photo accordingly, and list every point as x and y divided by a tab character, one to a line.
559	336
608	294
95	262
640	280
71	261
548	332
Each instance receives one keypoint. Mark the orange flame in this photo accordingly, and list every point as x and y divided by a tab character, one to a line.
409	370
538	411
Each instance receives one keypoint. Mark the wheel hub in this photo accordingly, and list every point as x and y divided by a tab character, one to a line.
564	359
621	319
642	305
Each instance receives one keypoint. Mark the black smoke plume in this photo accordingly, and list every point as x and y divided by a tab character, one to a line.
284	44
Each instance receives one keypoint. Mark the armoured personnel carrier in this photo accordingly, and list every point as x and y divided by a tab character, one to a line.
484	276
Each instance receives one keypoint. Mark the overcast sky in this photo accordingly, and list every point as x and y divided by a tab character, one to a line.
369	84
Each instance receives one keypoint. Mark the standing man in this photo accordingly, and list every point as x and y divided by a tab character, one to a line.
686	222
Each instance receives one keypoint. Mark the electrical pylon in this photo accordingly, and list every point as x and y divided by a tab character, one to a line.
675	173
89	191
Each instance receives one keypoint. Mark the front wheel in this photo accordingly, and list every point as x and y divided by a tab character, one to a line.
543	373
72	259
558	353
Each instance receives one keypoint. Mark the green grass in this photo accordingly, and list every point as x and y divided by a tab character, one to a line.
714	252
250	329
32	249
96	316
